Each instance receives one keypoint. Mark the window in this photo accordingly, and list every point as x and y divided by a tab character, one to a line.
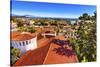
26	42
12	43
20	43
23	44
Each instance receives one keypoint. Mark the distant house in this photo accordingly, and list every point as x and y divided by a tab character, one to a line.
48	31
24	41
28	22
63	23
73	21
32	22
13	26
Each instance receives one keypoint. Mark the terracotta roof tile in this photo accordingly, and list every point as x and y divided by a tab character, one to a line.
45	55
20	36
34	57
54	58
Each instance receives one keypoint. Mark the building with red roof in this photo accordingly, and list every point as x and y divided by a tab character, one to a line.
24	41
46	54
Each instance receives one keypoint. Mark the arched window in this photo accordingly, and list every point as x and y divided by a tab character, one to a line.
20	43
26	42
23	43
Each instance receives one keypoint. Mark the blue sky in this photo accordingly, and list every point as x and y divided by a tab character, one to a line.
51	9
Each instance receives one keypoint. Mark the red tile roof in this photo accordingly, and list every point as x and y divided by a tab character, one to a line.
54	58
34	57
45	55
21	36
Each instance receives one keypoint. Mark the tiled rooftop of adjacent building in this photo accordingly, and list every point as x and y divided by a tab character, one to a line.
21	36
45	54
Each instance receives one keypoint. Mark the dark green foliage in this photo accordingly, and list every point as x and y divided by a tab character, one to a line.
27	29
85	16
31	29
85	46
15	55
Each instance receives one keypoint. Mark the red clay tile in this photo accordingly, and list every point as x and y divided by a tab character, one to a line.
45	55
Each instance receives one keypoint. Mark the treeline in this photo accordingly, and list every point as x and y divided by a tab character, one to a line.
85	45
86	16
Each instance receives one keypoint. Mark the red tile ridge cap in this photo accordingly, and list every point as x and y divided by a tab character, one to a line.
47	54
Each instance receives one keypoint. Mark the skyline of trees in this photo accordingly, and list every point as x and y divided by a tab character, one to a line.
85	46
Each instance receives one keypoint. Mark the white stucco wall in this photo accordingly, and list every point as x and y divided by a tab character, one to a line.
32	44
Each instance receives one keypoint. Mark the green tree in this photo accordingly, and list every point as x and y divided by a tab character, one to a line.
85	16
15	54
27	29
94	16
19	23
85	44
31	29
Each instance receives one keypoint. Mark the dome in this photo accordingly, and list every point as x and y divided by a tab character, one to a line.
21	36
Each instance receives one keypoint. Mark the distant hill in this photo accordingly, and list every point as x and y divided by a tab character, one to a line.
30	16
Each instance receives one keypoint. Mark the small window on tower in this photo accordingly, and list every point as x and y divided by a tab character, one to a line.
20	44
23	44
26	42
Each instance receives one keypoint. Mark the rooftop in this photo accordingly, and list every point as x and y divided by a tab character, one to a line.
21	36
45	54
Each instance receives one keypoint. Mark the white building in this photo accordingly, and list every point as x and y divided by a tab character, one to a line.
24	41
32	22
13	26
73	21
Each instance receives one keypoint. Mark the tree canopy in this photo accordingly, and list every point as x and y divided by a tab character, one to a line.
85	44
